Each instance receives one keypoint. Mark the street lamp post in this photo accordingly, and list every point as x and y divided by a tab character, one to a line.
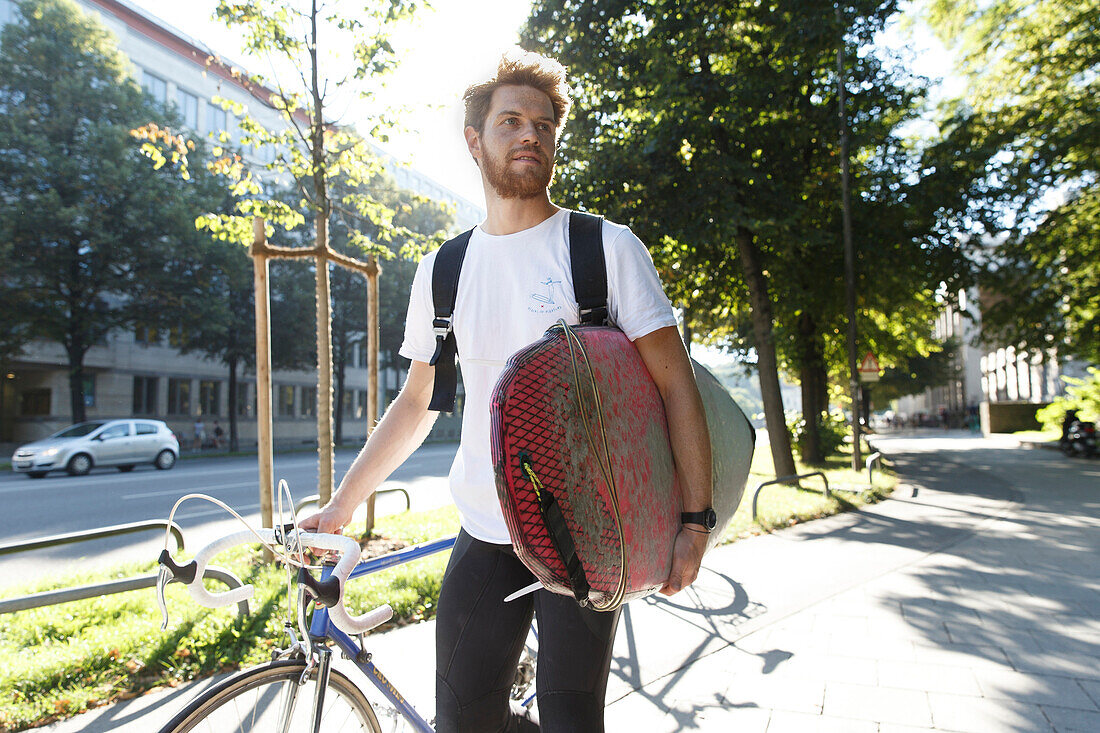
849	249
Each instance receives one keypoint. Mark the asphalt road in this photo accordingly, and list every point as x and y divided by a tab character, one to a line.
60	503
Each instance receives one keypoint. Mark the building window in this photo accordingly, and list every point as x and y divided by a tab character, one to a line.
246	407
309	401
89	390
285	394
360	404
156	87
347	403
176	336
145	395
35	402
146	335
216	119
179	396
209	397
188	108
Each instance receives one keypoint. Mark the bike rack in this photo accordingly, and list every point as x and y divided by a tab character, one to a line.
95	590
785	480
94	534
872	459
83	592
316	499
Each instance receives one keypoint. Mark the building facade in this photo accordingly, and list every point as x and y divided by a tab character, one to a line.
985	375
141	372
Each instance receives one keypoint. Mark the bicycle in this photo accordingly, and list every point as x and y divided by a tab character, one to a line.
299	687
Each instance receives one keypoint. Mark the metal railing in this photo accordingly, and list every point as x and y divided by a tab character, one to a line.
316	499
95	590
94	534
787	480
872	459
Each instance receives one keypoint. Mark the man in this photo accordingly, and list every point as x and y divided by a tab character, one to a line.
513	122
199	430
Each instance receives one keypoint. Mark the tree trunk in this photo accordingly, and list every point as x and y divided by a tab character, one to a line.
326	478
810	353
767	364
372	345
231	407
340	367
76	351
325	470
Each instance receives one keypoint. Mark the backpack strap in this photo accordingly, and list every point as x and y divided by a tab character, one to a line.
445	271
588	266
586	263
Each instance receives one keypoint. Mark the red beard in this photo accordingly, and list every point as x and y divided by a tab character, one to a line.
527	183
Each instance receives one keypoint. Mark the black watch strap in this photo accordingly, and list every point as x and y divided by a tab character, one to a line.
706	518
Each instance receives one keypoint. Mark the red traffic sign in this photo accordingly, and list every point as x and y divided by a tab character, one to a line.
869	368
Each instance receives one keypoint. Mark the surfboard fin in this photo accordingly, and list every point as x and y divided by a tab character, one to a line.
524	591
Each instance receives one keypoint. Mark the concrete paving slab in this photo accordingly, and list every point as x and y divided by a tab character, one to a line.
784	722
1070	720
1037	688
877	703
928	677
979	715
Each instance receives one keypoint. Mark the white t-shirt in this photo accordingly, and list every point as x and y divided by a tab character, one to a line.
511	290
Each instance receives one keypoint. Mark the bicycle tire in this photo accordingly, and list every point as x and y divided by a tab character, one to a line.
220	709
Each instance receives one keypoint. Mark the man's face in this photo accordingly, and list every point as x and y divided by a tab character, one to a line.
515	148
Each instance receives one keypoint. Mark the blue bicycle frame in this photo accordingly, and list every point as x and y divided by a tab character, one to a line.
321	626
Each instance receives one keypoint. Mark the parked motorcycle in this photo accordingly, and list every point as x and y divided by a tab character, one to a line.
1079	439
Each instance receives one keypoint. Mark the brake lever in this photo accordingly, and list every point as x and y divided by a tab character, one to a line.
163	576
168	572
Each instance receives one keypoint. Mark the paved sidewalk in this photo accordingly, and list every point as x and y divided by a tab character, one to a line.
968	602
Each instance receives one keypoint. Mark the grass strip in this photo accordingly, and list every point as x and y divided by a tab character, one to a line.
58	661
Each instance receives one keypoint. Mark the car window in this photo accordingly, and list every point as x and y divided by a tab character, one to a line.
145	428
115	431
79	430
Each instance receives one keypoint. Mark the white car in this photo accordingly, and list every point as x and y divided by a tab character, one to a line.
81	447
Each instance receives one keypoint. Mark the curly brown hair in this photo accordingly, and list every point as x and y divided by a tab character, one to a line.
520	68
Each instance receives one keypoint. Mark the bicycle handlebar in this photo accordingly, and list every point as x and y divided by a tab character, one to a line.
191	574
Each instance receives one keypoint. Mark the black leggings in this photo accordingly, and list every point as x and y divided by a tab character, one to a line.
479	639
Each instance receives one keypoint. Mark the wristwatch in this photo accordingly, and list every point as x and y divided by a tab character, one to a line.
706	518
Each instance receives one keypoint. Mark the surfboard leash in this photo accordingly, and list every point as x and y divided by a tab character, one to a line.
571	338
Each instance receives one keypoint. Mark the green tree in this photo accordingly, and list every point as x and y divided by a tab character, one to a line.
313	150
1033	78
87	224
711	128
413	213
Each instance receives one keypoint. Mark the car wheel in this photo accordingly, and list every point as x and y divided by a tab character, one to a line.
79	464
165	460
126	469
37	474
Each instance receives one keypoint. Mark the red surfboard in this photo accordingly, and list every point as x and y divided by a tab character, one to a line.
584	466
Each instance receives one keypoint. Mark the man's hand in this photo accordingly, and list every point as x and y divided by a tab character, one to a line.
687	556
330	520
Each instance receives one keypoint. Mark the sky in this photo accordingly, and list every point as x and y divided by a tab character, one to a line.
444	49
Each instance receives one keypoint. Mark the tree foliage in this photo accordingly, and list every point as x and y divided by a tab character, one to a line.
711	128
89	228
1033	73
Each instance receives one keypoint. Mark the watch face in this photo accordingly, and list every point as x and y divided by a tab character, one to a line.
711	519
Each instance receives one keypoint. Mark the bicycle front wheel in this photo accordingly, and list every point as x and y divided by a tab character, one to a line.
269	699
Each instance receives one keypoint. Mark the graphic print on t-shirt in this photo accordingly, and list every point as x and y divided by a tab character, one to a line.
544	297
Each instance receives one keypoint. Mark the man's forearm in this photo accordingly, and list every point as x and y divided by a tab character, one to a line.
690	438
667	361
